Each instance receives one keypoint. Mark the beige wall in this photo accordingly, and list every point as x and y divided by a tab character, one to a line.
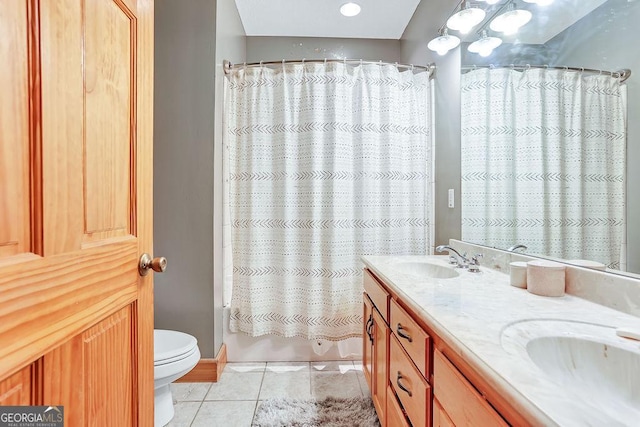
277	48
183	166
231	44
192	38
421	29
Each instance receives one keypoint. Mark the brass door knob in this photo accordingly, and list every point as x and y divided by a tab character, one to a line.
158	264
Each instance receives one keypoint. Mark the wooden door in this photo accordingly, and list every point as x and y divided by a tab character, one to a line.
76	319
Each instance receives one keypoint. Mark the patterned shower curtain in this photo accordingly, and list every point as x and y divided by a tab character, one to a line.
327	163
543	162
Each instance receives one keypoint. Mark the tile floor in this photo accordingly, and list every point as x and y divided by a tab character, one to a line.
232	401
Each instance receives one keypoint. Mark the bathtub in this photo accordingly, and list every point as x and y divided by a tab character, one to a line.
271	348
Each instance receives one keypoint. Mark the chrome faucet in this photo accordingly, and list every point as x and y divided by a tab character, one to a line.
515	247
461	260
474	263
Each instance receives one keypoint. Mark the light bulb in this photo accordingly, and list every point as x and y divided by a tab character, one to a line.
444	43
511	21
466	19
350	9
485	45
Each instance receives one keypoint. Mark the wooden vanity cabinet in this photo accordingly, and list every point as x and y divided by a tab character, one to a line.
376	342
461	404
412	381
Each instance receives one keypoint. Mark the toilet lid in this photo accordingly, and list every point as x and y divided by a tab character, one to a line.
171	344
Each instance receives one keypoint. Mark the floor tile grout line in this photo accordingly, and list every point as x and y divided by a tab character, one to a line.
196	414
255	409
260	389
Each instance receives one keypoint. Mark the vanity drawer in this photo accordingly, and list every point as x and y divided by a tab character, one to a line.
379	296
461	401
412	389
395	414
412	337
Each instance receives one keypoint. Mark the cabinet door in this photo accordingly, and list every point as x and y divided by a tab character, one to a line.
367	342
440	417
459	398
379	374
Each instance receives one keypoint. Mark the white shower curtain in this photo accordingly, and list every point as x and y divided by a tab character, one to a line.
543	162
327	162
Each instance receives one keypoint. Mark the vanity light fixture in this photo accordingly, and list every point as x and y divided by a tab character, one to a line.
510	21
465	19
350	9
540	2
443	43
485	46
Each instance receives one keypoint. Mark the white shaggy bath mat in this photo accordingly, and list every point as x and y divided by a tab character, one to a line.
330	412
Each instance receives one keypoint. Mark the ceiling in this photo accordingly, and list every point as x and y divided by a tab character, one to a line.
387	19
379	19
546	22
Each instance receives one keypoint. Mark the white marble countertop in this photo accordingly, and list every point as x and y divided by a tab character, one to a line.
470	313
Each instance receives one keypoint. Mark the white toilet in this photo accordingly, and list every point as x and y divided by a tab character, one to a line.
174	354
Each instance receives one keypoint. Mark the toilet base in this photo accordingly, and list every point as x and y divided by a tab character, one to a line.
163	402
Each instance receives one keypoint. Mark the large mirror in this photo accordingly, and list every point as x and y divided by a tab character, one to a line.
550	148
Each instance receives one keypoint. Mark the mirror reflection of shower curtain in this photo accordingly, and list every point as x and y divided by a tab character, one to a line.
543	162
327	162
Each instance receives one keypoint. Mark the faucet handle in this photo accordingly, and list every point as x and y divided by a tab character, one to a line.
474	263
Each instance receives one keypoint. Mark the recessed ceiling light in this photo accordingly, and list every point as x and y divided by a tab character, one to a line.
350	9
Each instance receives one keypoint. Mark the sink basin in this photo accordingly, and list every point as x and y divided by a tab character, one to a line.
426	270
587	360
590	365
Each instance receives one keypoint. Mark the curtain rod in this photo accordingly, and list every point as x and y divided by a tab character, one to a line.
623	74
228	66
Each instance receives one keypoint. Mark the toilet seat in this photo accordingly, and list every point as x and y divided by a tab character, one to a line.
175	358
171	346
